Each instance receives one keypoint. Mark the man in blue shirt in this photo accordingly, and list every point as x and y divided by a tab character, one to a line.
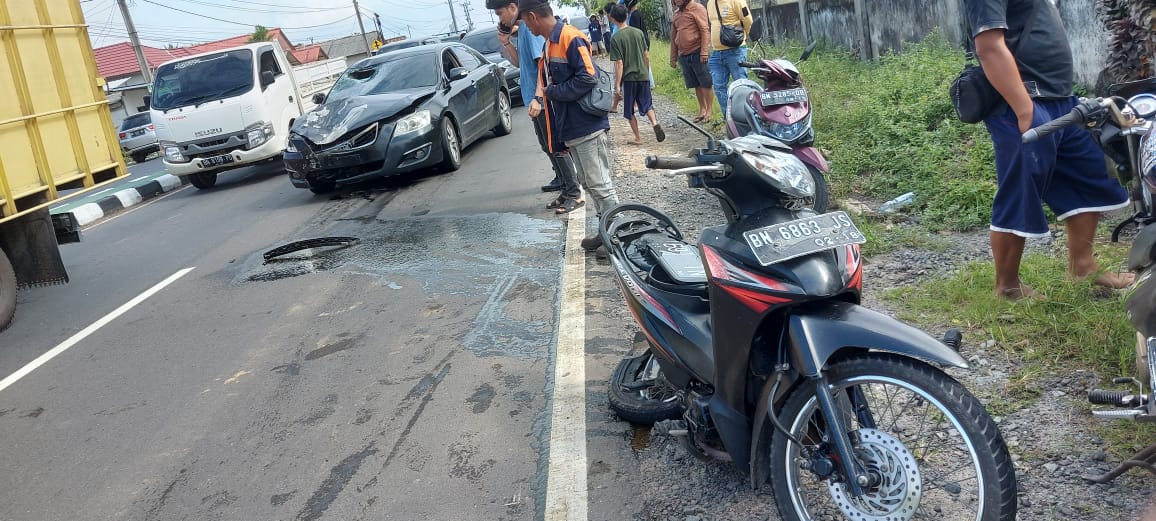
523	52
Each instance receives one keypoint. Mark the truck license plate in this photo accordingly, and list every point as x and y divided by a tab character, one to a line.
784	241
210	162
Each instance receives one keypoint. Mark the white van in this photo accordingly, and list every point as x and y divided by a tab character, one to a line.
225	109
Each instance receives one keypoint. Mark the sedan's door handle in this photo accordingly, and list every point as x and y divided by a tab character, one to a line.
290	99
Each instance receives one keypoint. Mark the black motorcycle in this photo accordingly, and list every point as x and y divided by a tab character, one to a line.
760	351
1123	124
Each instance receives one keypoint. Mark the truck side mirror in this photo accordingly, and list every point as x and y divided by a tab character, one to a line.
148	101
267	79
458	73
319	98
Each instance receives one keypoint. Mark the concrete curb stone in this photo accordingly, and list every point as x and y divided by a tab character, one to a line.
91	212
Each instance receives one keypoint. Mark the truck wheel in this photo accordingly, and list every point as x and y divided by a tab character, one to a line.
203	180
7	292
139	157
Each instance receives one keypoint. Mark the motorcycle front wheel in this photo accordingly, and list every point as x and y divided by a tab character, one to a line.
929	447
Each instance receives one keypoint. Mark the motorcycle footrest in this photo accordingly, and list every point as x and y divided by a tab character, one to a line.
1122	414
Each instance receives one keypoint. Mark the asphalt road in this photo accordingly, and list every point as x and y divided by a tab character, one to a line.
408	376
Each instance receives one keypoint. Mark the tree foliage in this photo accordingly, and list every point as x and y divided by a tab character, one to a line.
260	34
1133	37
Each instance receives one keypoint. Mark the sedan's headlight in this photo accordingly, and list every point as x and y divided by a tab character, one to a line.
259	133
419	120
290	147
785	171
173	154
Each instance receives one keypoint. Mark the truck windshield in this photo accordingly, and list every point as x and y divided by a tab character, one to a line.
207	78
411	71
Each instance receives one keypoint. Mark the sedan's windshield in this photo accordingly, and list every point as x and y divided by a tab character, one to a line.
405	72
198	80
484	42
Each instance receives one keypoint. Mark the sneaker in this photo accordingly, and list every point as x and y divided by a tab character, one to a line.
592	242
659	134
554	186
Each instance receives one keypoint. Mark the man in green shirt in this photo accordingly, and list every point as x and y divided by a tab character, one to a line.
629	51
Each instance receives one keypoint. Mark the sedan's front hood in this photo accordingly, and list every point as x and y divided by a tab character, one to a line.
329	122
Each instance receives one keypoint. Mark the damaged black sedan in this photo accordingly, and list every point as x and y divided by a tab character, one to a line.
398	112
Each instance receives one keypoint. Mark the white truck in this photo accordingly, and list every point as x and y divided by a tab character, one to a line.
231	108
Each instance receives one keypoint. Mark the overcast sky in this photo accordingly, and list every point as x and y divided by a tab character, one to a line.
161	22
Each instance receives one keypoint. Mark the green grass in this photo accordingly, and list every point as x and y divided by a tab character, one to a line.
1079	326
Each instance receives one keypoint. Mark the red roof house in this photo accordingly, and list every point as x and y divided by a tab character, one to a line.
117	61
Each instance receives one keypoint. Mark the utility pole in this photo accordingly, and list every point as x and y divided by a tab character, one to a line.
453	16
357	11
469	21
132	37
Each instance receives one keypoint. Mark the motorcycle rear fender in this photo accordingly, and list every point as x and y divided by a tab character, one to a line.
820	334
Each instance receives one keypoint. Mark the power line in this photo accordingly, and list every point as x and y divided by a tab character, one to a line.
303	10
243	23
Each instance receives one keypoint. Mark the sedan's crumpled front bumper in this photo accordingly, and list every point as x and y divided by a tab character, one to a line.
388	155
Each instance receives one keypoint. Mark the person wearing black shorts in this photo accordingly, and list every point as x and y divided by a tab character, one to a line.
628	51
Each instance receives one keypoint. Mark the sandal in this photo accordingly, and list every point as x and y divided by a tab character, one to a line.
556	203
570	205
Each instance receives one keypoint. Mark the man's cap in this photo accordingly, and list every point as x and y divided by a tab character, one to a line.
530	5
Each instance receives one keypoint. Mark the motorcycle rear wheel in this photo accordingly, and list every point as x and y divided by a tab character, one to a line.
640	394
930	447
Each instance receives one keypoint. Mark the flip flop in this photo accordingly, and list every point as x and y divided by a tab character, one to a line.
699	119
556	203
659	134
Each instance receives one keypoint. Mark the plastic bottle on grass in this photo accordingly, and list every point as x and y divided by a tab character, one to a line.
894	205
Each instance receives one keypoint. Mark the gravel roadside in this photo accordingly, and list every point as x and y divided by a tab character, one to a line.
1052	440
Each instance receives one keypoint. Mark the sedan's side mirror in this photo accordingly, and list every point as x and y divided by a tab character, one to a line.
458	73
267	79
319	98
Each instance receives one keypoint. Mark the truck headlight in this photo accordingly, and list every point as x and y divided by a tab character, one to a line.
419	120
173	154
258	134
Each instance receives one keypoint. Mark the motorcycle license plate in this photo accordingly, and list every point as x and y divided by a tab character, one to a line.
784	241
771	98
216	161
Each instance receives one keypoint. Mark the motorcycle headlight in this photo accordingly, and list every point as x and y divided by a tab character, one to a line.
173	154
419	120
789	133
786	172
258	134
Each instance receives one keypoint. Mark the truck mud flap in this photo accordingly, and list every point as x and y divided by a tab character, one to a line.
30	243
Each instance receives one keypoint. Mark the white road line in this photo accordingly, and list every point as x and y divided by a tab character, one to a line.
566	473
84	333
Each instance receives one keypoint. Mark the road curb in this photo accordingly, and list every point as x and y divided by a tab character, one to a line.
91	212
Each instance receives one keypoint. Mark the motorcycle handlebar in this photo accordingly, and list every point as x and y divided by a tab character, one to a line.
749	65
670	163
1078	116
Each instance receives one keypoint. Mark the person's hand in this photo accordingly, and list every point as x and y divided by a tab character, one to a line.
503	38
705	58
534	108
1025	118
673	64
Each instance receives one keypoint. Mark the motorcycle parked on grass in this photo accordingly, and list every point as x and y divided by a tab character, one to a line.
780	109
759	350
1122	123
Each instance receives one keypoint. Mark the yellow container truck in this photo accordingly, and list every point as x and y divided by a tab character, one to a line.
57	139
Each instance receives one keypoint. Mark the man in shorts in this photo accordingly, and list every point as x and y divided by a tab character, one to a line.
1065	170
690	51
628	51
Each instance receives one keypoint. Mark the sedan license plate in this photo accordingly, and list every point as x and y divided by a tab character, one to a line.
216	161
771	98
784	241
